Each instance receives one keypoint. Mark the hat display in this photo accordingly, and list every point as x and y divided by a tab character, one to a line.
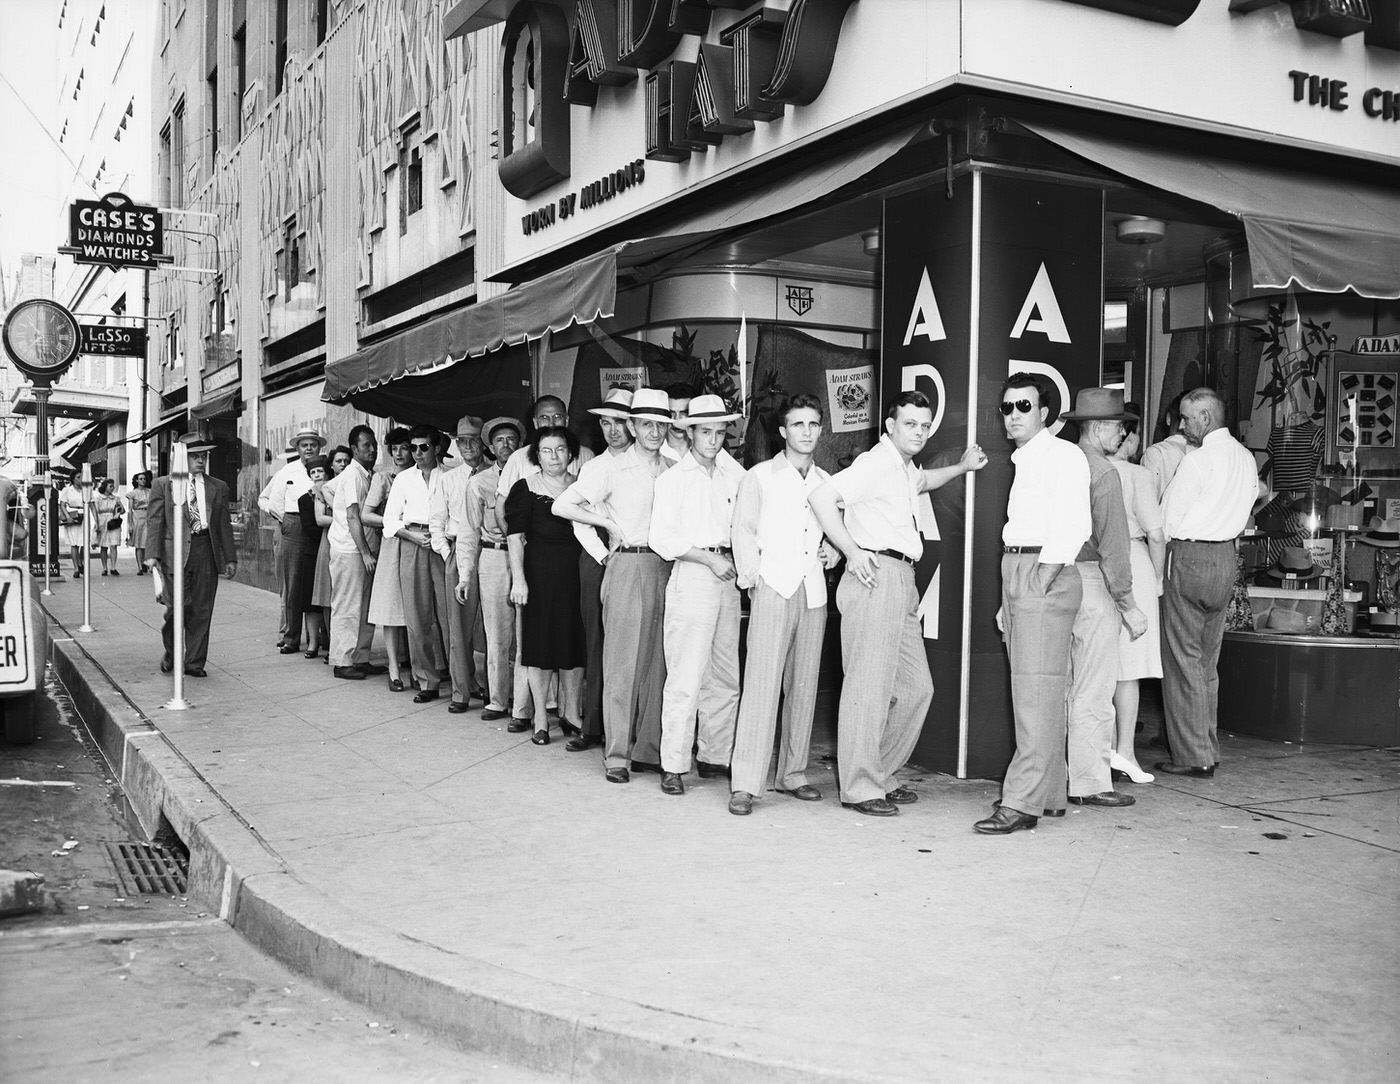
1382	533
650	403
468	425
1295	563
307	434
616	404
488	431
1100	405
193	442
705	409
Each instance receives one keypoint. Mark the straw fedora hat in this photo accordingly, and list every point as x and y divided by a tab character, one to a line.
1382	533
489	429
616	404
650	403
705	409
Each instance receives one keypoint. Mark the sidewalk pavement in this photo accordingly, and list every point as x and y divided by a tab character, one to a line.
1236	929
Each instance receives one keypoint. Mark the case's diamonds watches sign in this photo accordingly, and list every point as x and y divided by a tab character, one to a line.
115	232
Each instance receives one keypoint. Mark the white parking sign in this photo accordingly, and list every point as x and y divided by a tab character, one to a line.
16	672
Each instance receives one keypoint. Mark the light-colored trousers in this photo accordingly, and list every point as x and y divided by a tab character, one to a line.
1039	627
1093	666
887	688
498	617
352	635
423	587
634	660
701	637
784	654
459	634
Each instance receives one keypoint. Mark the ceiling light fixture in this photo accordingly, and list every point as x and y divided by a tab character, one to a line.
1140	231
870	241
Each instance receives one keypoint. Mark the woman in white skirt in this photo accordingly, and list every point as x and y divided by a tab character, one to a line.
1140	658
385	598
70	518
109	509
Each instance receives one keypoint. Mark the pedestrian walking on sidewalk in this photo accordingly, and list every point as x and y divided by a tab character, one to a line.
136	502
109	509
209	547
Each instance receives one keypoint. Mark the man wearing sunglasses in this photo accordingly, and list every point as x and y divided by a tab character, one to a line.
422	572
870	512
1047	523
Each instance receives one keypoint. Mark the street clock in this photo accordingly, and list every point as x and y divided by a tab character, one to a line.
42	338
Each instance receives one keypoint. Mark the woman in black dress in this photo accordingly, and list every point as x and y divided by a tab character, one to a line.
544	578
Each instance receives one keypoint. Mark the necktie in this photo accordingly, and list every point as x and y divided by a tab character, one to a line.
195	524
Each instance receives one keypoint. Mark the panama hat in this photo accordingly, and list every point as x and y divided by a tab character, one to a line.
468	425
1382	533
650	403
489	429
1100	405
705	409
1295	563
616	404
306	434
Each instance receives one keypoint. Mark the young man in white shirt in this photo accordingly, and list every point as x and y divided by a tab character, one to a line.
353	558
781	559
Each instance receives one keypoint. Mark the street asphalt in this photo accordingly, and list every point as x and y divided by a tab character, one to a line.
1236	929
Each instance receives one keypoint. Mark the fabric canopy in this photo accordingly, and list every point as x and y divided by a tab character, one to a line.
222	403
1317	232
587	290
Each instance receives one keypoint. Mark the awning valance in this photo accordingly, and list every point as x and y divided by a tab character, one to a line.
222	403
1317	232
168	420
587	290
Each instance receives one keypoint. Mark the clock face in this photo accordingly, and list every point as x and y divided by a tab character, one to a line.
41	336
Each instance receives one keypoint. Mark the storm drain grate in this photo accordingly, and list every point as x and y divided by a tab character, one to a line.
148	869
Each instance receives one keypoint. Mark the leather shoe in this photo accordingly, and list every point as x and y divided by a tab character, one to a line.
1004	821
902	796
196	671
457	707
539	737
581	742
288	649
616	775
805	793
425	696
1107	798
166	665
491	714
568	728
395	685
1185	769
646	766
348	673
371	669
741	803
519	726
875	807
712	771
671	783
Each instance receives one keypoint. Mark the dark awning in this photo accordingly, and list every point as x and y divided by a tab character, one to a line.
167	420
223	403
587	290
1306	229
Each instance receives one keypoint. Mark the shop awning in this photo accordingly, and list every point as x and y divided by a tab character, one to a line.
1316	232
167	420
78	445
223	403
587	290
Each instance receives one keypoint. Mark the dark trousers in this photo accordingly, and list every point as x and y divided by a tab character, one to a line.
590	582
1200	576
201	584
291	577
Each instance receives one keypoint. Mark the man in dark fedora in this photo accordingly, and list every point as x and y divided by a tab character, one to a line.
209	547
1205	508
1106	579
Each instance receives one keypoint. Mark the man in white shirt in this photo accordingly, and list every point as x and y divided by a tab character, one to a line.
781	559
422	572
612	419
1048	520
619	501
678	396
1163	458
870	512
482	555
1205	508
279	500
466	449
691	516
354	553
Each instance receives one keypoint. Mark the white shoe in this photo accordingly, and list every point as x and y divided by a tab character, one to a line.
1127	767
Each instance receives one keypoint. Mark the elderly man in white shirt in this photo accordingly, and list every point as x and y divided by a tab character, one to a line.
1205	508
422	572
781	560
279	500
691	518
1048	520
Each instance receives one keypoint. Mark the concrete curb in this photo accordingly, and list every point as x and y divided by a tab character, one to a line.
465	1001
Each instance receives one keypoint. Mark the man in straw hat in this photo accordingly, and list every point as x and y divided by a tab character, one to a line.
620	501
1048	520
279	500
870	512
209	548
1205	508
691	522
612	419
1106	602
482	555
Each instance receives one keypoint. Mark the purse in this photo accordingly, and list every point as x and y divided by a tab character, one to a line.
115	523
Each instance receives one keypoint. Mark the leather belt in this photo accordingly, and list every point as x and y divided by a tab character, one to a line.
487	544
898	556
416	526
199	534
1020	549
1207	541
717	549
632	549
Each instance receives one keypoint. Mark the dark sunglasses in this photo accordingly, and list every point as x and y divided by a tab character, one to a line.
416	448
1021	406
